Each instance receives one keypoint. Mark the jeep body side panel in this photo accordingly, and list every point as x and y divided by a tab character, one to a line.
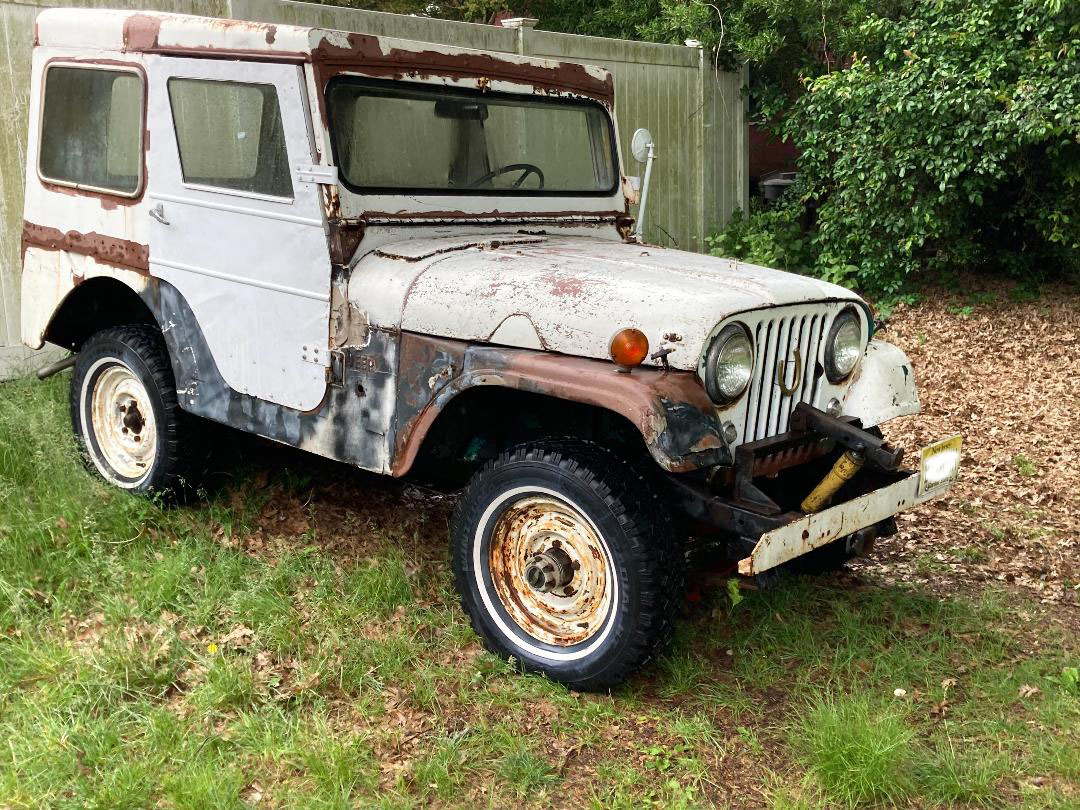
343	426
395	386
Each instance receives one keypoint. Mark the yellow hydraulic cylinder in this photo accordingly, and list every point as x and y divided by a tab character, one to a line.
842	471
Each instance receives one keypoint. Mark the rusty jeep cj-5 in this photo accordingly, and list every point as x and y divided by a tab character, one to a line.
419	260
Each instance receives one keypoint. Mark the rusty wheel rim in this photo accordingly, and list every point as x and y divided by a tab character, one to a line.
551	570
122	420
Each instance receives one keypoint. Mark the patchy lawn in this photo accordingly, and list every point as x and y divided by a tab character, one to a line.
294	640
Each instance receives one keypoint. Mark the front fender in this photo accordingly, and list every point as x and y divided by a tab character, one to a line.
884	386
670	409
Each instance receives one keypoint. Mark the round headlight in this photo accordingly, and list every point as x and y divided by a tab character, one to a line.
844	346
729	364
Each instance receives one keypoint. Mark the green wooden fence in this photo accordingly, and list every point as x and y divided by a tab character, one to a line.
697	116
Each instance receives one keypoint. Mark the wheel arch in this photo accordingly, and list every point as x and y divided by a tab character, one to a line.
667	411
96	303
481	420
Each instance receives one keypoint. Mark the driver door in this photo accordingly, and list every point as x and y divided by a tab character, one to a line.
236	229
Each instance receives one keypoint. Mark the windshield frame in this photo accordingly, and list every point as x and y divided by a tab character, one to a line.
433	88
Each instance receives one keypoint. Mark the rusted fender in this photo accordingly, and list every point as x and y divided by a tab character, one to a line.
671	410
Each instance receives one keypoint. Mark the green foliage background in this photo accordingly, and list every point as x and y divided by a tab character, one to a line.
935	135
958	146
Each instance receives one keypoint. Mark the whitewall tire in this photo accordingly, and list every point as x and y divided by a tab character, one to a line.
565	562
124	410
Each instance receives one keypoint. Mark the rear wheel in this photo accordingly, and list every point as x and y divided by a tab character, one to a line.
124	410
566	563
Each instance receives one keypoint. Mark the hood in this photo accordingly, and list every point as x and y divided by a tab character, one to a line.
567	294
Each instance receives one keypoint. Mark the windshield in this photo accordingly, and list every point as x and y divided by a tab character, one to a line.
396	137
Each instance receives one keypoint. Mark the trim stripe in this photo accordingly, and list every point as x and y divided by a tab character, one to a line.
239	209
251	282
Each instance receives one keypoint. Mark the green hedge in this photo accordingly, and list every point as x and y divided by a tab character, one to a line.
958	147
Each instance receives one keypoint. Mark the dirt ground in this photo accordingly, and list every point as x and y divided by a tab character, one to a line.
1005	374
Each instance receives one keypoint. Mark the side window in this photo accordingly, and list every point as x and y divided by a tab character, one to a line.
91	129
230	136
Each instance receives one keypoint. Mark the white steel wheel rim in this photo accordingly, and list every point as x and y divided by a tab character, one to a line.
529	521
122	424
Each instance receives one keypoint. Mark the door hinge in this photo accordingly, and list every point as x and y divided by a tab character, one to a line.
309	173
335	372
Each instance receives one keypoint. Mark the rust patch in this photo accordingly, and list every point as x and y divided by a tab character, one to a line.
141	32
670	409
419	359
103	249
108	202
364	54
568	602
345	238
271	34
331	201
496	216
706	442
564	286
772	463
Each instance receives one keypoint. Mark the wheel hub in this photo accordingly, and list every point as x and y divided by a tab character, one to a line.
550	570
133	420
123	422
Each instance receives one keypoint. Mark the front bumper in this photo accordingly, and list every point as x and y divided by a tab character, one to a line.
813	531
752	508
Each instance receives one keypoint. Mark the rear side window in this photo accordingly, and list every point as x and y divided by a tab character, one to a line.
230	136
91	129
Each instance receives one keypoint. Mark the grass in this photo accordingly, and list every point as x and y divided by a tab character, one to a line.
859	752
292	639
1024	465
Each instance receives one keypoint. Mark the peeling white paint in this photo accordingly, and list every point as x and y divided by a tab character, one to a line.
575	291
516	330
883	386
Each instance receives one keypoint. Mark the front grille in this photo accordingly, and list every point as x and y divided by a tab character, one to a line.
775	340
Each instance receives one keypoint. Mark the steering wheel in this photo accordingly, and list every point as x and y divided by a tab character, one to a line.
525	168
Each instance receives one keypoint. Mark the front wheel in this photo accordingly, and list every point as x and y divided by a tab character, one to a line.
124	410
566	562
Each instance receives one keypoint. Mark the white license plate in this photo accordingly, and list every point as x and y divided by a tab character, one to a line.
938	463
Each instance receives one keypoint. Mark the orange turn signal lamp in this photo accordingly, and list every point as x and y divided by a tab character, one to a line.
629	348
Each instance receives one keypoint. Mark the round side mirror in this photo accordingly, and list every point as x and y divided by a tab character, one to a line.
639	145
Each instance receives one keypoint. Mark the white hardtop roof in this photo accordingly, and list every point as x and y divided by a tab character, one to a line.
112	30
158	32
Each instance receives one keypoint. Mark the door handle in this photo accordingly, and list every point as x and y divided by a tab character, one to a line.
158	213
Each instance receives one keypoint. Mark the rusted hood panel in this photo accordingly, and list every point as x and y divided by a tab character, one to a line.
575	292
